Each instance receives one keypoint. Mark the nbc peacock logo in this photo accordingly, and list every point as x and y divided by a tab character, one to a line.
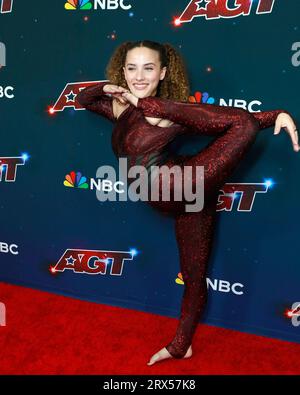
200	97
75	180
78	4
179	279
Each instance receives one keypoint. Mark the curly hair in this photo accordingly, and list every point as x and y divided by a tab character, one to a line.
175	85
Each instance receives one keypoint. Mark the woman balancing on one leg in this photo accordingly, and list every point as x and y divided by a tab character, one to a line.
146	99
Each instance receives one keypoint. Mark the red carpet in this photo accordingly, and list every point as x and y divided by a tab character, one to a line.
51	334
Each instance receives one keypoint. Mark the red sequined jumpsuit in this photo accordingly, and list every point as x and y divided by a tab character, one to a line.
144	144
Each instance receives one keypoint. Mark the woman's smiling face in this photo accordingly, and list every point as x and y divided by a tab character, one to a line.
143	71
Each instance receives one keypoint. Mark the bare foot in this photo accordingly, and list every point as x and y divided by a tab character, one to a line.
164	354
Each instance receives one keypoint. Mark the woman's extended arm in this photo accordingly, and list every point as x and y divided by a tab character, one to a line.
93	98
209	119
267	119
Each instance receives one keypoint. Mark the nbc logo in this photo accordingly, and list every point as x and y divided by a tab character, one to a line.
204	97
217	285
2	55
81	4
201	98
75	180
6	6
8	248
89	4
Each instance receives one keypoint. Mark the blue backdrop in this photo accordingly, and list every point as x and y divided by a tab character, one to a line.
247	58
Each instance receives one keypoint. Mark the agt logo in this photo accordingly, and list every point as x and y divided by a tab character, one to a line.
243	194
9	165
2	55
6	6
294	314
67	97
102	4
93	261
214	9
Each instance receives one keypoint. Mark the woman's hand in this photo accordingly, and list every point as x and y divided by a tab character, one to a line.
130	97
116	91
285	121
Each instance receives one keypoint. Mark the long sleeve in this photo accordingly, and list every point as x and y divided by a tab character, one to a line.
207	119
94	99
267	119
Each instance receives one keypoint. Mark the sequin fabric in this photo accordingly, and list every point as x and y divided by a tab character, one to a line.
142	143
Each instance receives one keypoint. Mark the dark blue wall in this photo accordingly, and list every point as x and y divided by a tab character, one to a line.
252	58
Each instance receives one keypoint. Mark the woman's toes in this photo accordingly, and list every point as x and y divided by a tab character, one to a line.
153	359
159	356
164	354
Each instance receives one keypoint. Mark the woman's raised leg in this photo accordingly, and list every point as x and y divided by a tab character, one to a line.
194	231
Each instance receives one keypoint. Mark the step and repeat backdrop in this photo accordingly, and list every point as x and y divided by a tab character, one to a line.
57	236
